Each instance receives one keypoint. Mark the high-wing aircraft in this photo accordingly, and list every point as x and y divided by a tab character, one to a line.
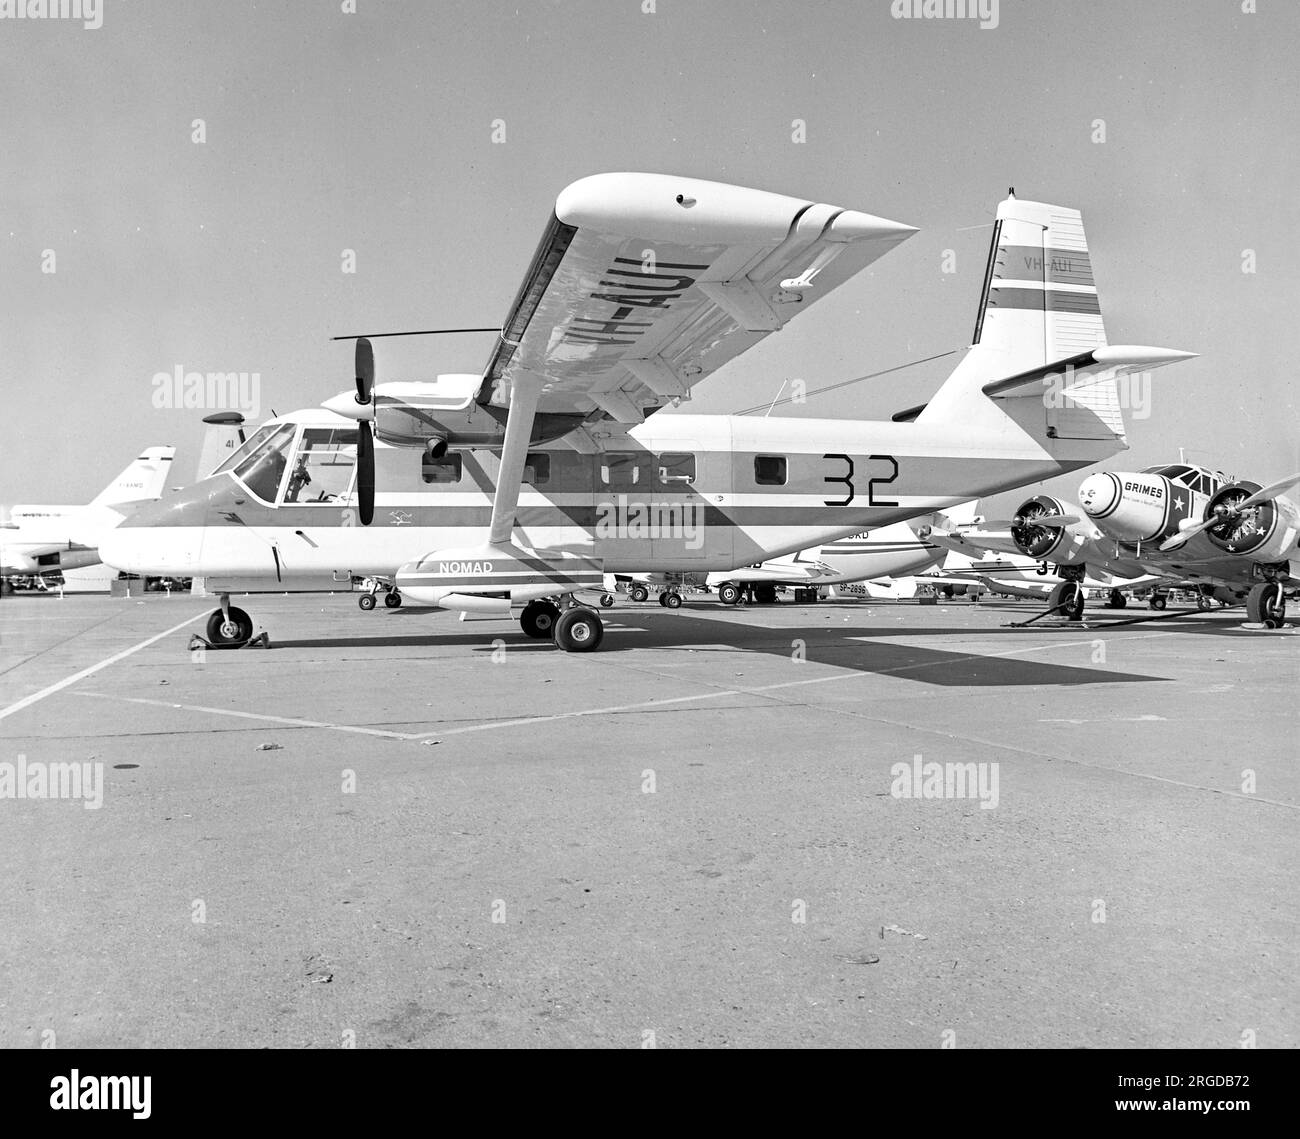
49	539
518	489
1173	525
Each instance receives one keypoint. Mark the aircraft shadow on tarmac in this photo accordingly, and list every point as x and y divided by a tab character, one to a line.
858	648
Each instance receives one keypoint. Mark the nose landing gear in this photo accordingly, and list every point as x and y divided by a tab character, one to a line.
229	628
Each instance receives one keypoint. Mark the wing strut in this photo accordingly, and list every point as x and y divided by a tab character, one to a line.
525	391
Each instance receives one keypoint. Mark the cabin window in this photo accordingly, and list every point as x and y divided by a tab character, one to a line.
263	469
769	470
322	469
676	468
537	469
622	469
444	470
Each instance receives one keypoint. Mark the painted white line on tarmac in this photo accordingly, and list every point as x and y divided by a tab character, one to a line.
757	691
28	701
289	720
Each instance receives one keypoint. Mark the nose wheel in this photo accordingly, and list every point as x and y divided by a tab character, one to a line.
228	629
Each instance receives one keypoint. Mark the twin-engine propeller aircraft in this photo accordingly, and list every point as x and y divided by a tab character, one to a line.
1230	539
50	539
517	490
1175	525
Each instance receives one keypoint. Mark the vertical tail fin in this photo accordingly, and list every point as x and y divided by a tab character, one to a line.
143	480
223	435
1040	300
1039	306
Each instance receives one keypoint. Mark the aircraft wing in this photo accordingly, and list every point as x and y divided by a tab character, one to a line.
974	542
643	285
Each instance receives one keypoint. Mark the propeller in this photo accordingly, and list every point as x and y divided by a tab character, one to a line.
365	372
1226	511
1021	520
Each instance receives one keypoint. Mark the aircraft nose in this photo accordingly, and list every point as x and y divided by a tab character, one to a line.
1099	494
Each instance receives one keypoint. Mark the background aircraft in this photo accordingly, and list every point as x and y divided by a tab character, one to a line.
1168	526
890	552
50	539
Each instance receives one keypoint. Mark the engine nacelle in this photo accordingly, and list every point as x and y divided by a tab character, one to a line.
1038	542
1265	533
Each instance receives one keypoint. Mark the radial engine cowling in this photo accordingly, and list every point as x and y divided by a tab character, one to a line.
1266	532
1038	542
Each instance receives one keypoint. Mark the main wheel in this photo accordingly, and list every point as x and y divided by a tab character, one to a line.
606	600
1266	605
392	600
579	631
1067	600
233	630
671	600
538	619
638	592
1158	601
1203	603
366	601
728	594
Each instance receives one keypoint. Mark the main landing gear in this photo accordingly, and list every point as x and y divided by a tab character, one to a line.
1067	600
1266	605
392	596
575	628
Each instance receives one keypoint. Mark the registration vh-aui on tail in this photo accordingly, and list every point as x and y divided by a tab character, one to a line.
515	490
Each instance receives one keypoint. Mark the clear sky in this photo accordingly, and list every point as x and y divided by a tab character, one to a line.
373	132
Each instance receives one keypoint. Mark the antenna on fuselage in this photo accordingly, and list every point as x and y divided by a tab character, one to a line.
417	332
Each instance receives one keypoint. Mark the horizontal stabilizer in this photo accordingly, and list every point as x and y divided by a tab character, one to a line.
1080	371
1087	368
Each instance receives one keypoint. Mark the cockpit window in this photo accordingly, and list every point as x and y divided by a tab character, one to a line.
263	469
322	466
1178	472
246	448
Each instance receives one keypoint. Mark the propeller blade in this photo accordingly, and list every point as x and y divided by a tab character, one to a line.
1185	536
365	473
1054	520
1267	493
365	370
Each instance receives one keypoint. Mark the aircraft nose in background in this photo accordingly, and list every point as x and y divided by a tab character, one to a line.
1099	494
